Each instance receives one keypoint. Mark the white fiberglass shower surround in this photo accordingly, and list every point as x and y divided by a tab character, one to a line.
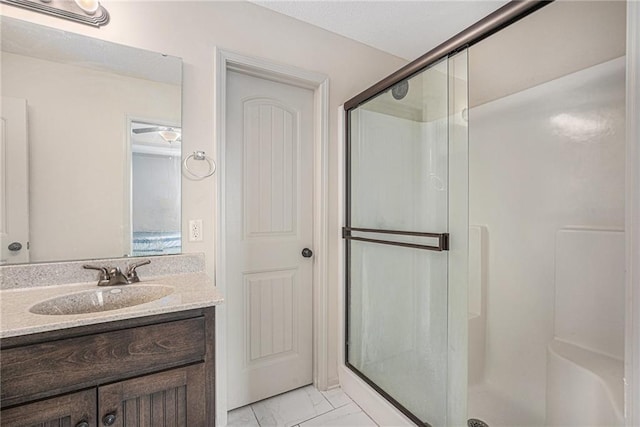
484	231
546	211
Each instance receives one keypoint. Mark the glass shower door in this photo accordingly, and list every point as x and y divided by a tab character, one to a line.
406	237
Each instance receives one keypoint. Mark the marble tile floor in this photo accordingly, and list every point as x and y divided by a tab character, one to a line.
303	407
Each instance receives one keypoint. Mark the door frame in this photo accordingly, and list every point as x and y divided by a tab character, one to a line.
632	224
225	61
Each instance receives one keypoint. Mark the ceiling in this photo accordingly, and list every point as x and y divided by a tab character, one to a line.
406	29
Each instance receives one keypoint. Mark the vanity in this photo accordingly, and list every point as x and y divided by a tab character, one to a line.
148	364
153	371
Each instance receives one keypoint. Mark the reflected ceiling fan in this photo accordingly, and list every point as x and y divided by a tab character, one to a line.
167	133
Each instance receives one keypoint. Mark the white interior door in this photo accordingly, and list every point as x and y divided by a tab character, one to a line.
14	182
269	217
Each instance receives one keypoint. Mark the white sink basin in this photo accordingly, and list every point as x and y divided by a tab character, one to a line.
101	299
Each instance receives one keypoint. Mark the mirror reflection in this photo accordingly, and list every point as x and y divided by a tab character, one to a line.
90	147
155	188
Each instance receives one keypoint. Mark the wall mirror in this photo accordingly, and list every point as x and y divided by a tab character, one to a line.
90	147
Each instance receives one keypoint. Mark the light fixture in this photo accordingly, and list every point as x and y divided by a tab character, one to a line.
89	6
169	135
89	12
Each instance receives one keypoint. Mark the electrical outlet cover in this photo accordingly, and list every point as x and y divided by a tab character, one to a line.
195	230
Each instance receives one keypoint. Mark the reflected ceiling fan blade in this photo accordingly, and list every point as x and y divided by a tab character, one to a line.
152	129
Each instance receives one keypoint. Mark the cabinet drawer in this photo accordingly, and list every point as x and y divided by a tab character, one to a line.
35	371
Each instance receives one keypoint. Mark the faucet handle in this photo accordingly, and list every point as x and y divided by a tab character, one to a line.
132	274
104	273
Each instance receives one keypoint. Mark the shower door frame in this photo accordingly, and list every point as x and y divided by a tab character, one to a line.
492	23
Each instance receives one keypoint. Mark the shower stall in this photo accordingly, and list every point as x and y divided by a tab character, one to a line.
484	225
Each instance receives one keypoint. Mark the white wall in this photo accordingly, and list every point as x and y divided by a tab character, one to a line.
77	153
561	38
190	30
543	159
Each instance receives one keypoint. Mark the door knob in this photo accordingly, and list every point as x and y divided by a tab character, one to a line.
15	246
82	424
307	253
109	419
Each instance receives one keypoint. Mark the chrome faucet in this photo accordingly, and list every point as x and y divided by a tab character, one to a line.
111	276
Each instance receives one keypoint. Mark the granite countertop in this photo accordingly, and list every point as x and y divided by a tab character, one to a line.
191	291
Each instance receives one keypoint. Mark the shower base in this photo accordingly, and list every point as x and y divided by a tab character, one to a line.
497	410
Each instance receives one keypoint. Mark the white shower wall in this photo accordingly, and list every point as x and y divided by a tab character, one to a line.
544	159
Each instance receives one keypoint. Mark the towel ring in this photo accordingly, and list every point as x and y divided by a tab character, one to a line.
199	155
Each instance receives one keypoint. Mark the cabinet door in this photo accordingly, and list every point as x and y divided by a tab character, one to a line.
71	410
170	398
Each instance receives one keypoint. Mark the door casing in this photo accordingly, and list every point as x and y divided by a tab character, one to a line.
226	60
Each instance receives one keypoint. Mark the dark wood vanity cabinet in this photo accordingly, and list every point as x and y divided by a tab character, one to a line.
67	410
170	398
150	371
